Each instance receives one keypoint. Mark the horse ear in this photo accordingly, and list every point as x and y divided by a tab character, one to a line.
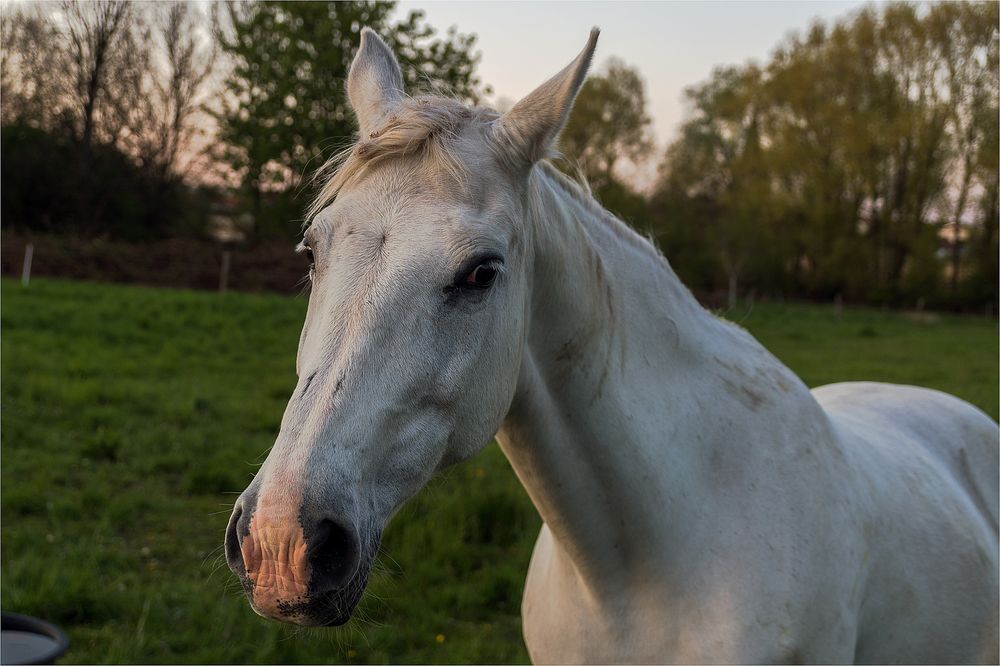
375	82
530	128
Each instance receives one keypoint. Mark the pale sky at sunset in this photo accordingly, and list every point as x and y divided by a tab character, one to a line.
674	44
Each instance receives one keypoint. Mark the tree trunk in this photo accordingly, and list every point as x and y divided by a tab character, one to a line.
258	207
956	248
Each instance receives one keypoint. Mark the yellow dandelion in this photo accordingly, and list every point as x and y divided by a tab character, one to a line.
439	638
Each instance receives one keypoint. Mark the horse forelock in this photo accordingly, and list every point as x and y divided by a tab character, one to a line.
422	125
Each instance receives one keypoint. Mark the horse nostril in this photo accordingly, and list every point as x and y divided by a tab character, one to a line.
334	553
234	556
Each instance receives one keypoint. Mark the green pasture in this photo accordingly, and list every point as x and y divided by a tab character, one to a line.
131	416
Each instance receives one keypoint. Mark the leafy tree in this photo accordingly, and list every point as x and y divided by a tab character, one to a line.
608	123
965	37
720	162
286	100
831	169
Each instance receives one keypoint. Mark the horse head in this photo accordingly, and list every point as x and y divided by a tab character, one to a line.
414	336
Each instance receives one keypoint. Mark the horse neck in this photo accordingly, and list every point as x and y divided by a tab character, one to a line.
620	370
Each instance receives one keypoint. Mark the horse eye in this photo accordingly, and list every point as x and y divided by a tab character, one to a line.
481	277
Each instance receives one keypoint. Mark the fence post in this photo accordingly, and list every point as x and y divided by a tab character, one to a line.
224	273
29	250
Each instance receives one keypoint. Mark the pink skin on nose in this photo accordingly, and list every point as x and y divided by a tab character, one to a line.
274	551
276	562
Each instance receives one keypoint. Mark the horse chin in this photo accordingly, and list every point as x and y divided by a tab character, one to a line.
334	609
337	622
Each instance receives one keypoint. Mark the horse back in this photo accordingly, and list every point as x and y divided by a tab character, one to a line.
958	436
925	465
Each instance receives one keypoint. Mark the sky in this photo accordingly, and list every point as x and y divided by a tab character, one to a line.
673	44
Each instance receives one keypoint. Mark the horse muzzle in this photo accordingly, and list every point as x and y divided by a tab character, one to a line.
293	569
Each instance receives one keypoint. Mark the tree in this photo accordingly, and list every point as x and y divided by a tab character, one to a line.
106	67
834	166
108	91
608	123
33	90
174	100
285	98
965	36
720	162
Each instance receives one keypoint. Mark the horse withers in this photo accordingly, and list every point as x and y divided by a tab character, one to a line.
700	503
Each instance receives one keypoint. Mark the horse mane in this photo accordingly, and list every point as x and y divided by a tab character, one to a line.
579	190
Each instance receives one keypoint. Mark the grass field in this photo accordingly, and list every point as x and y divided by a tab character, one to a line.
131	415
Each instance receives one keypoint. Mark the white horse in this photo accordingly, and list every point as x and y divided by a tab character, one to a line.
700	503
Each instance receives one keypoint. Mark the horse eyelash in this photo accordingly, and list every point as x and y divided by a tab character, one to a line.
306	280
303	248
496	262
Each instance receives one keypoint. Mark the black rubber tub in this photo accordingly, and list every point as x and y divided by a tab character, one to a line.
28	640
